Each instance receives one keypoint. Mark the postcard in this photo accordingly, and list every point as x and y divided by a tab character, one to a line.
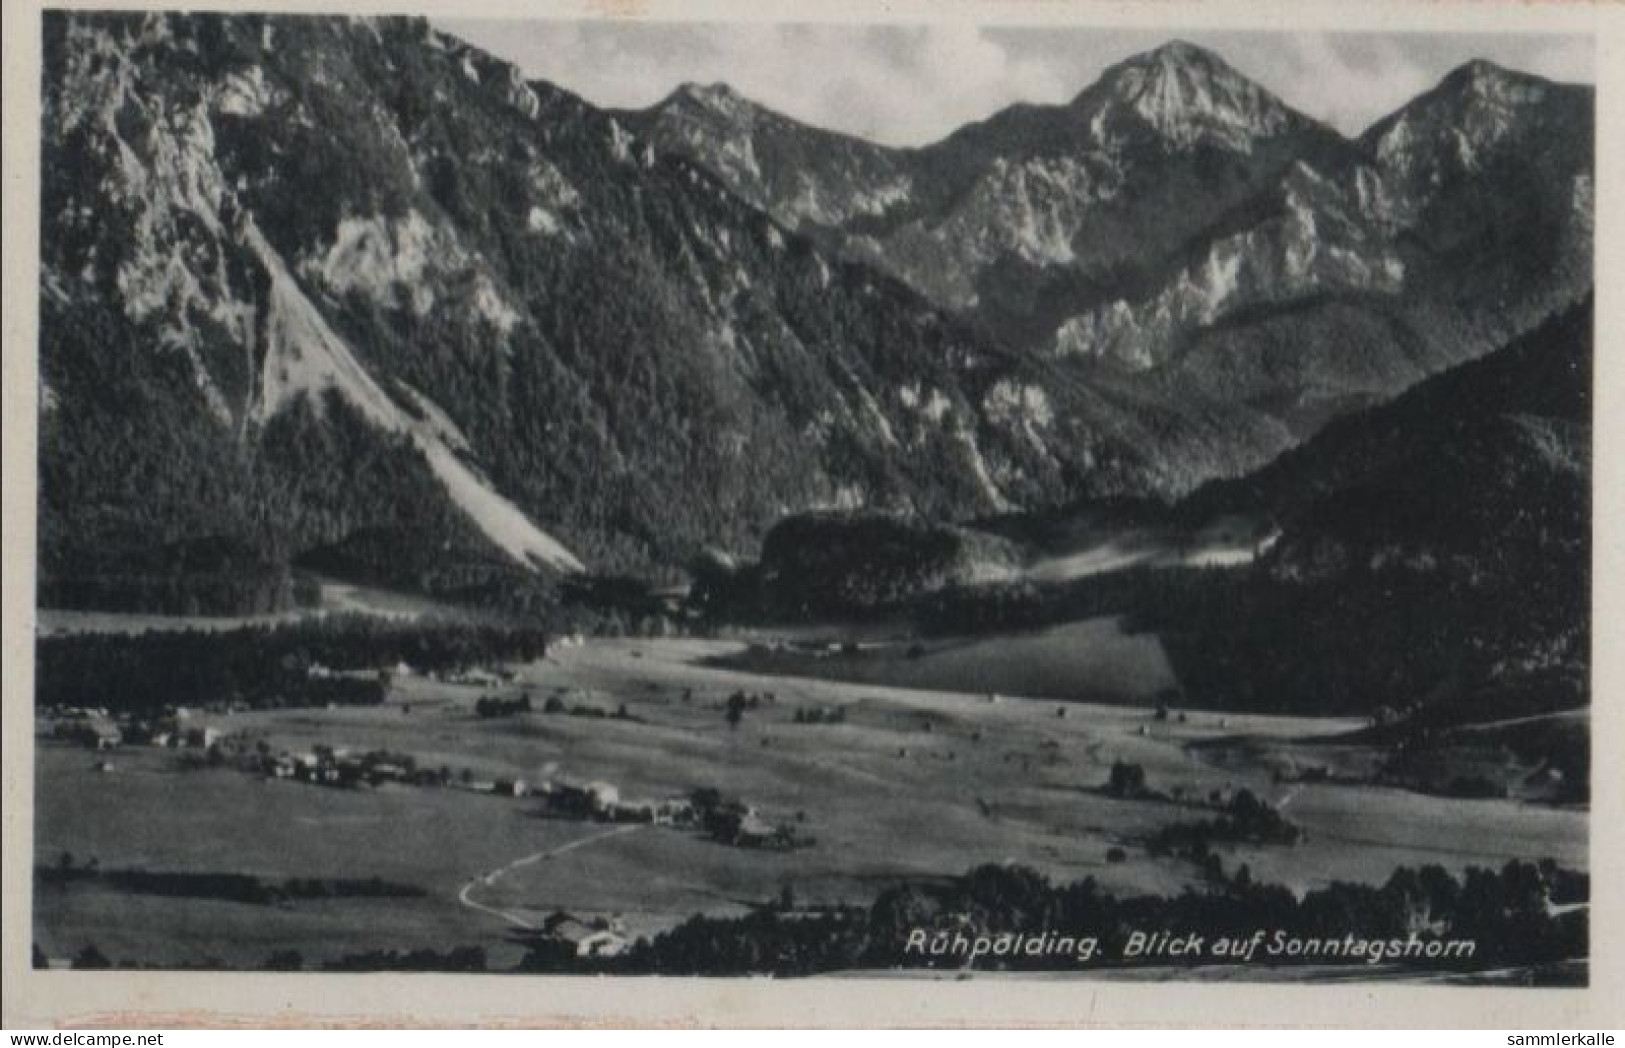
718	514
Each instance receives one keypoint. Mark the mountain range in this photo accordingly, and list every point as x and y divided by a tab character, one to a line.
1174	194
350	293
1433	555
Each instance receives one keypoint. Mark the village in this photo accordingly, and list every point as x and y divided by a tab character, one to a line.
200	743
220	737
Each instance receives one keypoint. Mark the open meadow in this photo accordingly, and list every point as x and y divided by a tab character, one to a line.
903	783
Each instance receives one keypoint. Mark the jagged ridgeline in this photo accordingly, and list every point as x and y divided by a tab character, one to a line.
353	294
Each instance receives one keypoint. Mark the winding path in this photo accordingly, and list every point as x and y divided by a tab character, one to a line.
466	898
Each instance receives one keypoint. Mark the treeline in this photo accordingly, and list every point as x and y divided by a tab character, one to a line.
859	565
188	518
226	887
1244	820
142	497
1524	915
454	959
265	665
833	564
250	587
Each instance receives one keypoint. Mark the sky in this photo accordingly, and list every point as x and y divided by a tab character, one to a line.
909	85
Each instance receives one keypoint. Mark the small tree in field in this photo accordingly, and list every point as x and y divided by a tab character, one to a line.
1127	780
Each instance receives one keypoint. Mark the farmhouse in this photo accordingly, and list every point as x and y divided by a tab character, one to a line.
755	832
477	677
101	735
202	738
675	811
387	771
596	937
603	796
88	728
578	801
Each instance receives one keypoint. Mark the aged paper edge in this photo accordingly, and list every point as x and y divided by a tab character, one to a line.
240	1000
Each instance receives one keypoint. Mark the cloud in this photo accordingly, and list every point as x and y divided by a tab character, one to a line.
1348	81
908	85
898	84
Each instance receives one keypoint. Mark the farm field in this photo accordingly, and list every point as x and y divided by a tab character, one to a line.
911	783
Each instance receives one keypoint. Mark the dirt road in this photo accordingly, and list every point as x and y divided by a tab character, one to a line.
466	895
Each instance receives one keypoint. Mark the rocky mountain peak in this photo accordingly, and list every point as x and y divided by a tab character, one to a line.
1178	55
1483	77
1480	89
1187	94
1471	110
716	97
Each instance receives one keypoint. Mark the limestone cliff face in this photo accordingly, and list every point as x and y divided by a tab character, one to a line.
350	266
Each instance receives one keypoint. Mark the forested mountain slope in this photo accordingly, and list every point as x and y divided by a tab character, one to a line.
351	293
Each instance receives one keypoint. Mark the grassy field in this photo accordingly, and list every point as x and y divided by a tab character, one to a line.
914	783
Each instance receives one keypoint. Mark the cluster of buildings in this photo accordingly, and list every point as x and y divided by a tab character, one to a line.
586	936
93	729
473	676
477	677
728	822
598	801
98	729
329	766
753	831
602	801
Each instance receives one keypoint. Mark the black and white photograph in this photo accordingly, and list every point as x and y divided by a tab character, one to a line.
936	502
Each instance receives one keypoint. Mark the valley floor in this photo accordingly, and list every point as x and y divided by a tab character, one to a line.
909	784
